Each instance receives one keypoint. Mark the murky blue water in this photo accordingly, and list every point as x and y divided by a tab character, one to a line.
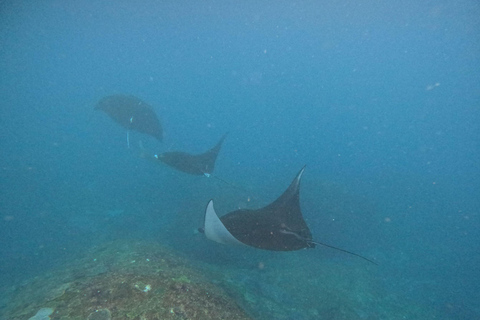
381	101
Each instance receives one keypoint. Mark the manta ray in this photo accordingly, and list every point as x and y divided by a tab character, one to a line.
132	114
278	226
196	164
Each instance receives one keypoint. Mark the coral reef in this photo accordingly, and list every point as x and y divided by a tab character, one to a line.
42	314
142	280
123	280
102	314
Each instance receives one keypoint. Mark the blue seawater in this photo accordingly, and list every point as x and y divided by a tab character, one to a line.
381	101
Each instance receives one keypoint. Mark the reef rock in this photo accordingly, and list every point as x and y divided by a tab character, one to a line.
125	280
42	314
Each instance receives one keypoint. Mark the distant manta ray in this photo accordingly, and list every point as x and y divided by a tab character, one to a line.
196	164
277	227
132	114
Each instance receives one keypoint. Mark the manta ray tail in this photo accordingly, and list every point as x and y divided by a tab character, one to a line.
343	250
233	185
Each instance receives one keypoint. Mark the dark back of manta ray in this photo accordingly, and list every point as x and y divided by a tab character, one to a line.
262	228
188	163
132	114
196	164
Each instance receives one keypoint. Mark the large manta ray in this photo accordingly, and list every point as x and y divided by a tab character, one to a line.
196	164
278	227
132	114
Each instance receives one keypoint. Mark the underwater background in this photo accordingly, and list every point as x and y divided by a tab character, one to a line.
379	99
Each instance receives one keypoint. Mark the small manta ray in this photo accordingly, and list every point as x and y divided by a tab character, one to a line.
277	227
132	114
196	164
